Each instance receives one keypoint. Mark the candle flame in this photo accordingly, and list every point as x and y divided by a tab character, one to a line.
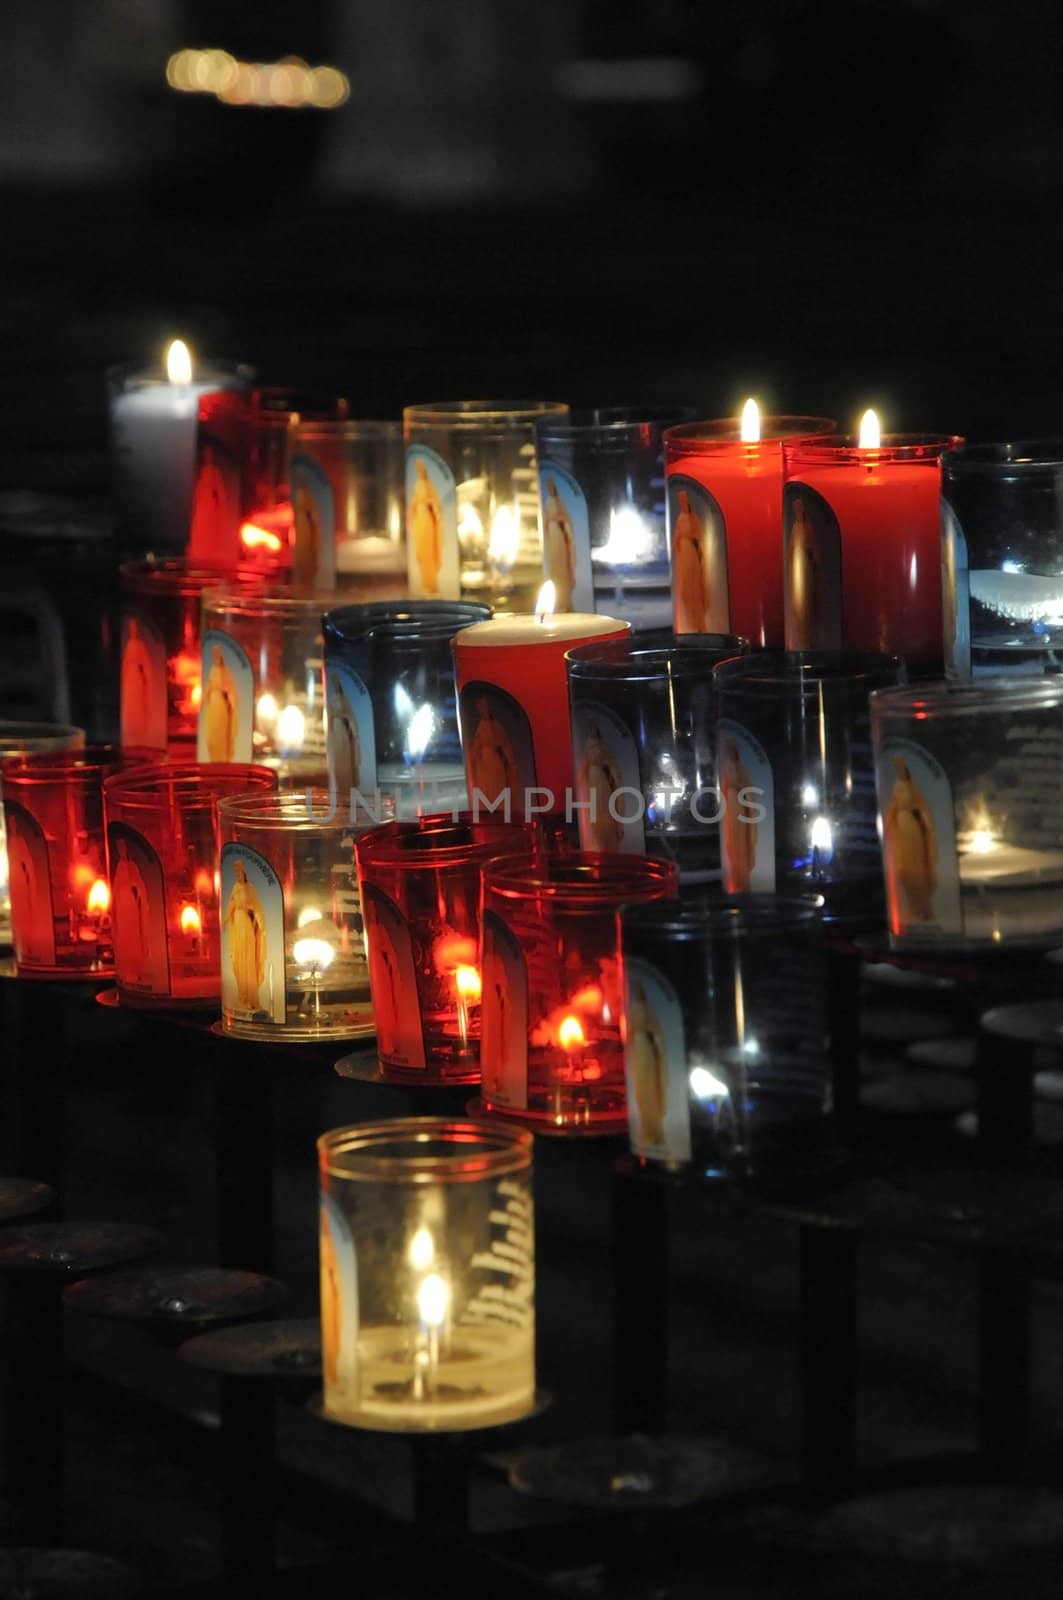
469	523
314	954
749	431
870	432
822	837
570	1034
505	538
419	732
307	915
432	1299
422	1249
467	982
99	899
546	600
252	537
190	922
178	362
981	842
204	883
291	728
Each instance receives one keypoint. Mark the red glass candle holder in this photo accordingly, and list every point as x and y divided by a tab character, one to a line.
553	997
420	889
862	546
160	675
162	849
16	738
57	853
724	506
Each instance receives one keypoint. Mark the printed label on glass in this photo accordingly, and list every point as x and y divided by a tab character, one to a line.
314	514
608	781
566	538
138	913
812	571
956	595
393	980
431	525
143	690
338	1261
227	704
747	811
655	1054
252	937
30	879
499	749
504	1017
215	525
918	841
698	540
351	733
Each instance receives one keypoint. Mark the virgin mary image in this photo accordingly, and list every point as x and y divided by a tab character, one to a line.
246	922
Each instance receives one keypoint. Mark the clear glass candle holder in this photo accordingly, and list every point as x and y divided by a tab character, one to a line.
162	851
420	887
862	546
643	725
725	1036
293	961
161	650
724	499
551	1051
392	707
57	859
472	500
263	682
24	738
969	783
796	776
353	470
427	1253
1002	550
602	512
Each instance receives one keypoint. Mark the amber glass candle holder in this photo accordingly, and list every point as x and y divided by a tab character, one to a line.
353	469
472	500
23	738
263	684
427	1275
160	672
57	857
292	949
162	850
725	1036
551	1051
420	884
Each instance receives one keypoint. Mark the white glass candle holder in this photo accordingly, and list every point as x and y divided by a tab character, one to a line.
352	471
427	1275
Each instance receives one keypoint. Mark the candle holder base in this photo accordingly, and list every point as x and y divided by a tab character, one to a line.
534	1123
440	1423
23	1197
638	1473
361	1026
74	1248
175	1296
284	1350
364	1066
39	1572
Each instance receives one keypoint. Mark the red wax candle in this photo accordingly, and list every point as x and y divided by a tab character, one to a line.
725	525
512	687
862	546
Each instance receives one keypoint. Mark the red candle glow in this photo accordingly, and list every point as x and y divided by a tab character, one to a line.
724	504
513	700
862	544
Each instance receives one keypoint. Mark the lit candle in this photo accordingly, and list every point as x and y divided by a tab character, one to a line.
862	568
313	957
467	987
513	699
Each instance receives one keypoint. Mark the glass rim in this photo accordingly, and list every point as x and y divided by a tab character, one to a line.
746	916
339	620
509	1149
652	662
845	449
476	414
1003	460
997	694
807	666
302	810
608	426
175	575
33	738
87	762
723	433
267	601
394	845
161	784
348	428
541	876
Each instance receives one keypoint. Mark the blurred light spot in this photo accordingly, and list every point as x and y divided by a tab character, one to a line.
289	84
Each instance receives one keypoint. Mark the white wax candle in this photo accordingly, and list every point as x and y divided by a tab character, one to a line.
571	627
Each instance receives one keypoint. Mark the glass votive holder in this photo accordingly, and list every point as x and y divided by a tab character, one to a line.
724	499
57	859
392	705
725	1036
1002	552
162	850
263	683
154	421
969	783
420	888
643	746
862	546
292	945
21	738
353	470
551	1050
427	1254
796	776
472	500
161	649
603	523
